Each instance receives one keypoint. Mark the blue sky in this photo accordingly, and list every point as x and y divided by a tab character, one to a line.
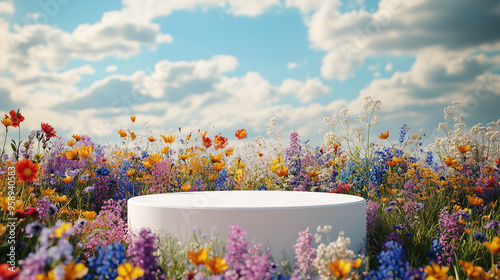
222	65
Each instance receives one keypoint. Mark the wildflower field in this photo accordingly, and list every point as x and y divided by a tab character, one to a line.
432	203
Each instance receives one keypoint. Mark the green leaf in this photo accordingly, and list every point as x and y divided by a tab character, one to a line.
13	147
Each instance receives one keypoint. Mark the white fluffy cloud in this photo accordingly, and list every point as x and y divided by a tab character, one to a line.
396	27
6	7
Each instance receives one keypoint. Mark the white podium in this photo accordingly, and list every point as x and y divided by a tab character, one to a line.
271	217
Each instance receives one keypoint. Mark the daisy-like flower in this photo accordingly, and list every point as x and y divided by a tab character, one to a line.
436	272
26	170
128	272
463	148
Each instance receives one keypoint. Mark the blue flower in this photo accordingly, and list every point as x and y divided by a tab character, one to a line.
479	236
105	264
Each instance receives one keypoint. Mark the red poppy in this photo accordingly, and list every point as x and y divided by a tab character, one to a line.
498	161
32	212
207	142
26	170
8	272
220	141
240	134
16	118
49	130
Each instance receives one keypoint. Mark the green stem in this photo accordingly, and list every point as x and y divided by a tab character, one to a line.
4	141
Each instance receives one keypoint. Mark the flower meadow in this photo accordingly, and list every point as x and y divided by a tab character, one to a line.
432	207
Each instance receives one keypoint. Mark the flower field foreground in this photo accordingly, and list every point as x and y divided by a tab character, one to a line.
432	210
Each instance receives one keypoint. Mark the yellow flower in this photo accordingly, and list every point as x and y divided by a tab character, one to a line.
77	137
72	154
58	198
151	138
18	204
493	246
436	272
74	271
62	231
168	139
185	187
463	148
474	272
449	161
184	156
7	121
132	136
165	150
89	214
71	143
216	158
132	118
216	265
356	263
85	151
198	257
384	200
122	133
340	268
229	151
130	172
313	173
128	272
213	177
3	229
67	179
474	200
218	166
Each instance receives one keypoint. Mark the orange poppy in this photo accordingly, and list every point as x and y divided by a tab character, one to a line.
71	143
282	171
168	139
198	257
72	154
218	166
26	170
313	173
384	135
132	118
463	148
216	158
132	136
151	138
394	161
216	265
77	137
494	245
449	161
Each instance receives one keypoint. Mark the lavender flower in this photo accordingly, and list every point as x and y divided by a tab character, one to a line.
393	203
389	209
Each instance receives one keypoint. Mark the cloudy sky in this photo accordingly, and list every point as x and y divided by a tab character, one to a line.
221	65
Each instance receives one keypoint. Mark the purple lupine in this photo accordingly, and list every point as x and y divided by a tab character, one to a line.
244	262
450	230
141	253
304	254
371	214
42	205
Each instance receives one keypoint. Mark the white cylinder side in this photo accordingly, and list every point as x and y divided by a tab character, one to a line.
271	217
